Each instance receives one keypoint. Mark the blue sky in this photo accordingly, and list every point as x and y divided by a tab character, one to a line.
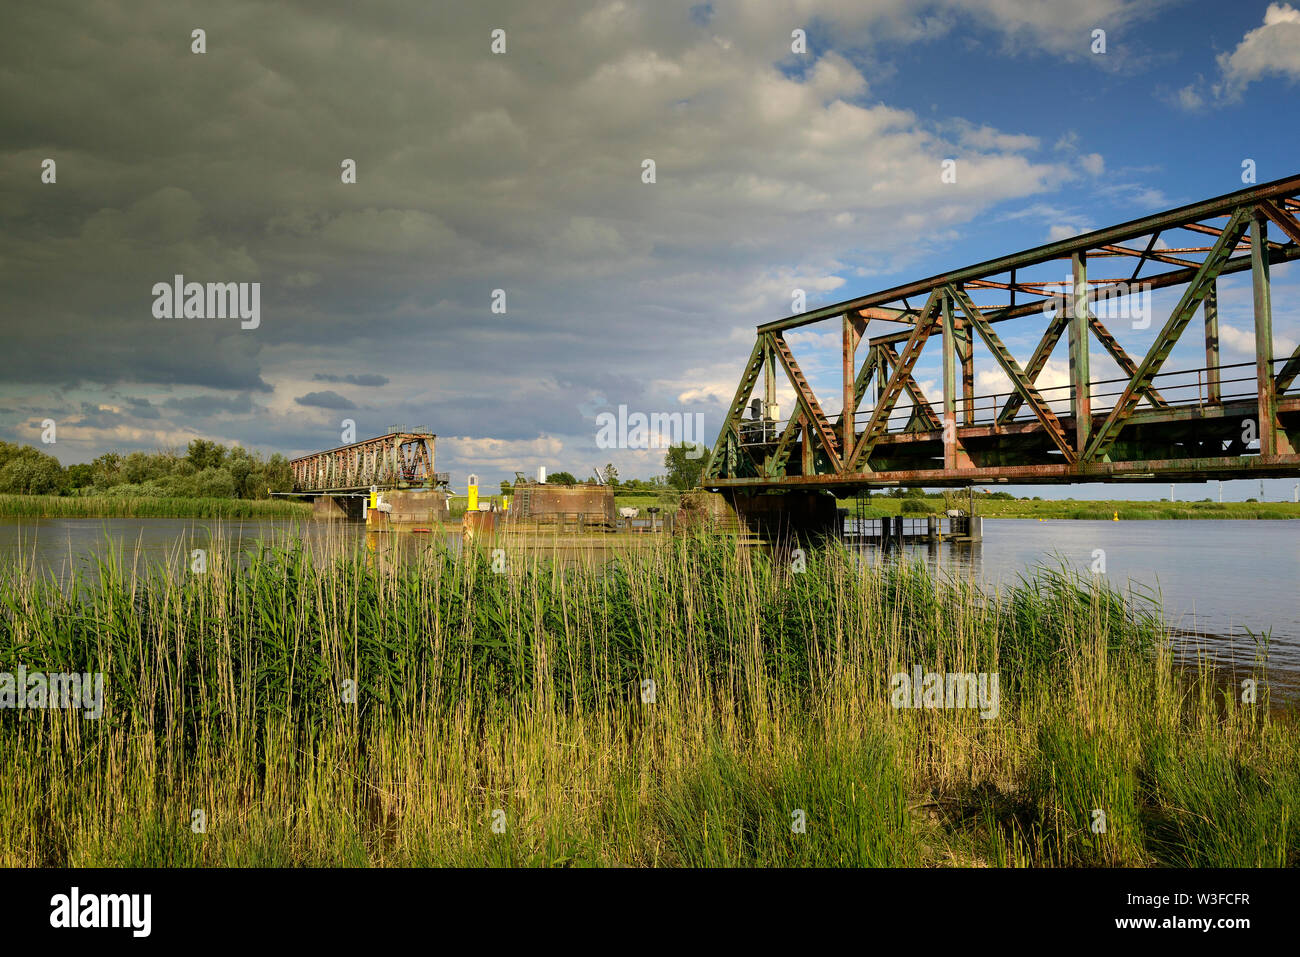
522	170
1123	106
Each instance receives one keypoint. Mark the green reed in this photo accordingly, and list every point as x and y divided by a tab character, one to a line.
689	703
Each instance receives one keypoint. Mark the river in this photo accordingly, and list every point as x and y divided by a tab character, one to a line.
1219	582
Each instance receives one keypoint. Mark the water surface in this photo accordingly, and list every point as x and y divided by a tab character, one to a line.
1221	583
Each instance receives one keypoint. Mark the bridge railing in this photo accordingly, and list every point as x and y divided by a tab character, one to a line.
1179	388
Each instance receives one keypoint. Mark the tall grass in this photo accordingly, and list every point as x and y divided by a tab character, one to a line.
505	719
114	506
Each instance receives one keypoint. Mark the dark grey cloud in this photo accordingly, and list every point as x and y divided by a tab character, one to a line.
93	416
476	172
365	379
325	400
143	408
201	405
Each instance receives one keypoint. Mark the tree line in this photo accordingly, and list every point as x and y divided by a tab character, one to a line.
206	470
211	470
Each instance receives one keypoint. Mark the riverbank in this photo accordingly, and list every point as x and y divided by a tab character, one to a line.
112	506
1103	510
1137	511
690	705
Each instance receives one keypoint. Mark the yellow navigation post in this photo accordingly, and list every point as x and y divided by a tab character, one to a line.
473	494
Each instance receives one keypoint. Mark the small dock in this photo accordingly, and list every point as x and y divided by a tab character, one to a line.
905	530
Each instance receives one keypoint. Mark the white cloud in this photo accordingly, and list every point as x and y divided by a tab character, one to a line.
988	138
1050	382
1189	99
1069	142
1069	230
1273	48
1243	341
501	454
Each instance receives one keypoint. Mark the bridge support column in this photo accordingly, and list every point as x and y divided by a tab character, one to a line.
1213	389
966	352
1272	440
1080	379
769	381
849	372
954	456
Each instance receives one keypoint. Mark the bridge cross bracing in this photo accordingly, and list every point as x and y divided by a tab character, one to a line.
397	459
1156	420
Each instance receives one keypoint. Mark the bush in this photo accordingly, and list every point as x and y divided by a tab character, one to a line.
25	470
215	483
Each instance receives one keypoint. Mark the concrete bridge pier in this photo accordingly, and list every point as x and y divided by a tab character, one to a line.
799	514
412	509
338	507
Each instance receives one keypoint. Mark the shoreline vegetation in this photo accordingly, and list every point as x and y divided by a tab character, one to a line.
1099	510
693	704
130	506
120	506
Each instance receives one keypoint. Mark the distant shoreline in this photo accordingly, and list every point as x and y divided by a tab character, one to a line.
1104	510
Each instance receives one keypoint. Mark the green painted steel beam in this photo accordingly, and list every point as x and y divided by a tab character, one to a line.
1016	374
1168	336
1059	250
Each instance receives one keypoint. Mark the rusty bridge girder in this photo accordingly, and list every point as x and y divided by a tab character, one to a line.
397	459
1215	420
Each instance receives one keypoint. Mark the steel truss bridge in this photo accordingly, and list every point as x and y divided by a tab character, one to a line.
397	459
1215	420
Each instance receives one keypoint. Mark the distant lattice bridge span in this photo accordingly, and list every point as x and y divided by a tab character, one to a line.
397	459
1151	422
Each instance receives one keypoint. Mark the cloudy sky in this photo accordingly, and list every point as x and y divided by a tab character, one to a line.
522	171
